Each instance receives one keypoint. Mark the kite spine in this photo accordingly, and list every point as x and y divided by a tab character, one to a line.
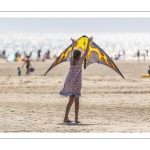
85	58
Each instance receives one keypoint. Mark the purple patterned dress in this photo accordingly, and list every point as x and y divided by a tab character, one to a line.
73	82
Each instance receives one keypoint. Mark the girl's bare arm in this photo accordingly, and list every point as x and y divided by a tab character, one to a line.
23	64
73	43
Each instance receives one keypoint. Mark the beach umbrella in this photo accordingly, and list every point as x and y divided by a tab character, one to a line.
95	55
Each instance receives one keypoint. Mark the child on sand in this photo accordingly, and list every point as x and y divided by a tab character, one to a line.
19	71
73	82
28	64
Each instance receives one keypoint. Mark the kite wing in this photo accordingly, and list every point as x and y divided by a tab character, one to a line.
95	55
66	54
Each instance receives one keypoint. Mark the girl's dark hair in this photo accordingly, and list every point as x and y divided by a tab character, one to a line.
76	55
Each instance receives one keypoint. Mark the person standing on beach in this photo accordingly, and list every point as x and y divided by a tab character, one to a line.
73	82
28	64
146	52
19	71
48	54
138	55
144	55
124	54
30	55
3	54
39	54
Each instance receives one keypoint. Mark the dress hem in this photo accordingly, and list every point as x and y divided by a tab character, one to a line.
69	94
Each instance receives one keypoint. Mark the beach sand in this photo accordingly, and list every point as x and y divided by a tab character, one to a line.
109	103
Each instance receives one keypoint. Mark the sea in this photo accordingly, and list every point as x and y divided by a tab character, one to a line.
112	43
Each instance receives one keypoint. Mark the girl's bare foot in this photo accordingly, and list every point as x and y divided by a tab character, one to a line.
67	120
77	121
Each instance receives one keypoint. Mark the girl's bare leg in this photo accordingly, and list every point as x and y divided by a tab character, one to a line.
76	109
28	71
71	98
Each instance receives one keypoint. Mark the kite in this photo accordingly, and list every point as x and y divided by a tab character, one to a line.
95	55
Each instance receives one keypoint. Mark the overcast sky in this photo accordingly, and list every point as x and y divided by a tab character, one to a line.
74	25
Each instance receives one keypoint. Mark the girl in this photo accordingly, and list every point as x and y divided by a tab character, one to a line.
72	85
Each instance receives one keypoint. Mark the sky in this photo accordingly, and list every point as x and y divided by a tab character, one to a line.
75	25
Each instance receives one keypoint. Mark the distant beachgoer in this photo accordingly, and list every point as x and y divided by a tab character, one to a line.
44	57
55	56
17	56
146	52
30	54
19	71
117	57
144	56
39	54
48	54
73	82
149	70
138	55
3	54
28	64
124	54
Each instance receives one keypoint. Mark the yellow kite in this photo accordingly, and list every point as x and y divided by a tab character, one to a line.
95	55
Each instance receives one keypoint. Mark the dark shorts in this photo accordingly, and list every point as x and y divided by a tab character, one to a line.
27	67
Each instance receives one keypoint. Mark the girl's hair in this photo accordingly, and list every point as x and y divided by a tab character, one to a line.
76	55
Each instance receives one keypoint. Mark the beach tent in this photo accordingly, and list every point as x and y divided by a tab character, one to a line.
11	57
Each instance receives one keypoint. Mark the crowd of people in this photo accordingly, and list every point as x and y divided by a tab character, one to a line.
27	57
47	55
121	55
144	55
139	55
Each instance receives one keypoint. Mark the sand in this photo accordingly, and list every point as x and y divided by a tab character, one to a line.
109	103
